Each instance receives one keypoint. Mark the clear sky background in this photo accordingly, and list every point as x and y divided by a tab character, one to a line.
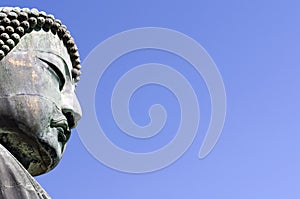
256	46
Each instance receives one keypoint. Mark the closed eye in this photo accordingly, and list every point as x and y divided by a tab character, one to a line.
55	70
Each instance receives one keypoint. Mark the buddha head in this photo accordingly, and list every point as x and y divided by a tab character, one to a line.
39	70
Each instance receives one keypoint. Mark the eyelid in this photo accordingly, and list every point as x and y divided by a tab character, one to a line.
56	58
57	72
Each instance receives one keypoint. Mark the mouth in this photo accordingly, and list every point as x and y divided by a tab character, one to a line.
63	135
63	130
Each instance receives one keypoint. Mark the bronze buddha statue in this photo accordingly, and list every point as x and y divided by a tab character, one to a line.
39	70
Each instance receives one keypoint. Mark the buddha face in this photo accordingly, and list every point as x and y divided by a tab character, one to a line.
38	105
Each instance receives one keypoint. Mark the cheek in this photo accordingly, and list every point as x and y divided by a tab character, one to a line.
27	114
31	79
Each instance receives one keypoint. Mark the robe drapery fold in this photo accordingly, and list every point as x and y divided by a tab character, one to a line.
15	181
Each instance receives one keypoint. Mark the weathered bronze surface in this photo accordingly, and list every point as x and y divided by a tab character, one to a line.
36	100
15	181
38	105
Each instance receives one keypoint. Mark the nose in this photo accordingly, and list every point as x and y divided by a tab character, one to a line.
71	108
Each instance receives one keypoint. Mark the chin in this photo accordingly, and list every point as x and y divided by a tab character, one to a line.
37	155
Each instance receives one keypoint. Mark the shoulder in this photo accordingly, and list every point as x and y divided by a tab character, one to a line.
15	181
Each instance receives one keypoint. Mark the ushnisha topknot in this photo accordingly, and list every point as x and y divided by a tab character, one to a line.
16	22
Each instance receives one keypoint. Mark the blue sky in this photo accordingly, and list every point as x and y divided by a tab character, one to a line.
255	45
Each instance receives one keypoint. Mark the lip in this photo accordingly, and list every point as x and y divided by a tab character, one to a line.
63	130
61	136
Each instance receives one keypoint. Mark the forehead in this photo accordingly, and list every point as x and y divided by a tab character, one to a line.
45	43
